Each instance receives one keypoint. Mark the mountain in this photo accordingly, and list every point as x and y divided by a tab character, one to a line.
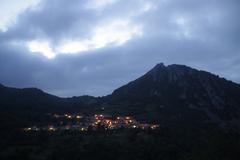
169	95
27	97
36	100
177	92
177	82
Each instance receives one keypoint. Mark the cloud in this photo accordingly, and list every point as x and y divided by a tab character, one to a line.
96	46
42	47
10	10
115	33
96	4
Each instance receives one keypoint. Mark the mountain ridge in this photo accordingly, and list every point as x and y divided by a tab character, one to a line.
168	94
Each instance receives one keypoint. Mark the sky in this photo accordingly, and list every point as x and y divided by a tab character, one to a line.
91	47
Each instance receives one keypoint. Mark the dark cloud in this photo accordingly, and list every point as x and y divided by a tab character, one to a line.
203	34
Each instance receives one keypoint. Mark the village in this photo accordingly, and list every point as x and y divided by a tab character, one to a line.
78	122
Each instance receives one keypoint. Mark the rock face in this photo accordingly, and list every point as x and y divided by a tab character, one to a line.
184	91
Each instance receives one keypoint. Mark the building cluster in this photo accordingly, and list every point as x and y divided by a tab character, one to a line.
96	122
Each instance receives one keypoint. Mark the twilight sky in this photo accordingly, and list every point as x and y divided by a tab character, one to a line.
78	47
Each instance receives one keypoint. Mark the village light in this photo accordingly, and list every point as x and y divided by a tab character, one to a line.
35	128
154	126
94	121
51	128
83	129
27	129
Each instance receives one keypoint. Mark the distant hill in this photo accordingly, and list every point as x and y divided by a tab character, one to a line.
171	95
34	99
27	97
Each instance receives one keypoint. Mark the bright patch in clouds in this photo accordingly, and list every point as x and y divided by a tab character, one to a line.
42	47
184	27
115	33
73	47
99	4
147	7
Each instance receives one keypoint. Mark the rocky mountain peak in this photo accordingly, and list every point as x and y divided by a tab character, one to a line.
159	67
170	73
